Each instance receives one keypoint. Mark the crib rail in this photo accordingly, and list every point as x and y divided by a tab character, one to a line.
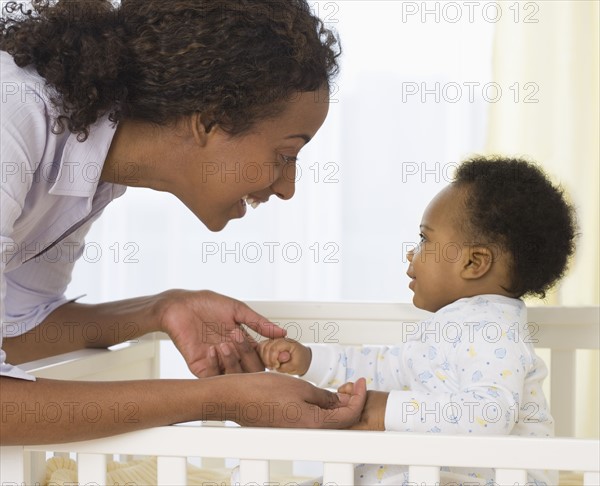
561	329
554	327
338	449
140	358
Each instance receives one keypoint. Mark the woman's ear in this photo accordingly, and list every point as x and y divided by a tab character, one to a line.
201	128
478	262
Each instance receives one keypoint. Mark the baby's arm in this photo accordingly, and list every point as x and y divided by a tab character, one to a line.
285	355
332	365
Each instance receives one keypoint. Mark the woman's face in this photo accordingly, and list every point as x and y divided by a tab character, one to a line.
257	165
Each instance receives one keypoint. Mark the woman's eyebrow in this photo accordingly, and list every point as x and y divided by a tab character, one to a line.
425	227
303	136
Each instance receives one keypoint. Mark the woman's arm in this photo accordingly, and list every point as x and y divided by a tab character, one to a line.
50	411
195	321
74	326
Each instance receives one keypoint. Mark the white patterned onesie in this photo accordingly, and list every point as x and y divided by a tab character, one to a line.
469	369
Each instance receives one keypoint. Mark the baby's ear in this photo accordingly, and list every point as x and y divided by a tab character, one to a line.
477	263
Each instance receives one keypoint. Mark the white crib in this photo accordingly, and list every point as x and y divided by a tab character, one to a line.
560	329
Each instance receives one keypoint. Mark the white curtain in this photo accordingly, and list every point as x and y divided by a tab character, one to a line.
554	63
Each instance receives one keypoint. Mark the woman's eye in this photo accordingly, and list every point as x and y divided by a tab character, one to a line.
421	237
287	159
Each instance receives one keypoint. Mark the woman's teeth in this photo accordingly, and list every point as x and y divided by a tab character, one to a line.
251	201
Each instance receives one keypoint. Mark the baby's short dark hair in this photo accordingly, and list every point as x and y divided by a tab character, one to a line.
512	204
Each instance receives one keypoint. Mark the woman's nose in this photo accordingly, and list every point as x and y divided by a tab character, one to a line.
285	186
409	255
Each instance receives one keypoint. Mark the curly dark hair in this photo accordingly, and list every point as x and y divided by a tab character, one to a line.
234	61
511	203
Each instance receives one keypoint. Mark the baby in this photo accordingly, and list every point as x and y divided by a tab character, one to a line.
498	232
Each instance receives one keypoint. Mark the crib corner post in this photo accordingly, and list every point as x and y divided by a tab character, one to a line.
562	381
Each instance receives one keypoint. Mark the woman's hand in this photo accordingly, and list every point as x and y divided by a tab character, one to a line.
285	355
275	400
250	399
205	327
373	415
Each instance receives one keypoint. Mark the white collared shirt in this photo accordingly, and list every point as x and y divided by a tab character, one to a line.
50	193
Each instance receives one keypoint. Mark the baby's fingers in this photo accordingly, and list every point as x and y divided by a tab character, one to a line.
346	388
284	357
268	354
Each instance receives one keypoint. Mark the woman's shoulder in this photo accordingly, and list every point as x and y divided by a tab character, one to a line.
27	117
22	87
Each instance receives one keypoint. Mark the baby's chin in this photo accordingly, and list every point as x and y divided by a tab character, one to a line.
426	306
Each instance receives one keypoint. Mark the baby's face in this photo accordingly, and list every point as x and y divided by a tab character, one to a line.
436	263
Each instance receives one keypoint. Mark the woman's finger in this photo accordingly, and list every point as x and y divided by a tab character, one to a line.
249	359
249	338
207	366
245	315
229	359
322	398
349	410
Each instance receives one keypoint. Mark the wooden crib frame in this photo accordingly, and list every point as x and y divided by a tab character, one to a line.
561	329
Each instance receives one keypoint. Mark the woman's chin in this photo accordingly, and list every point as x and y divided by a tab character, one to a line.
216	226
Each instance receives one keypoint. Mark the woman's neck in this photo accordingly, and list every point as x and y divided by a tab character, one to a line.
142	154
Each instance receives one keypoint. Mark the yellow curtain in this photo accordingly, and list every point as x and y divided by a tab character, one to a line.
546	62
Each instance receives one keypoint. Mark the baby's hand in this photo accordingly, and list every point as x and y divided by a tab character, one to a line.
373	414
285	355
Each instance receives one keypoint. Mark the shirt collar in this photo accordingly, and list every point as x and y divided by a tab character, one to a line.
82	162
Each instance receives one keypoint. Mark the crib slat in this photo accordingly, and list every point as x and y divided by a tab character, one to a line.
256	472
424	475
35	467
282	468
12	467
508	477
213	462
562	391
591	478
338	473
171	470
91	468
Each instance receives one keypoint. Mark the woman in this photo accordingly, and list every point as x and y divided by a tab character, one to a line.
186	96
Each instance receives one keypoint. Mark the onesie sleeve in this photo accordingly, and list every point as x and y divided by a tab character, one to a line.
333	365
